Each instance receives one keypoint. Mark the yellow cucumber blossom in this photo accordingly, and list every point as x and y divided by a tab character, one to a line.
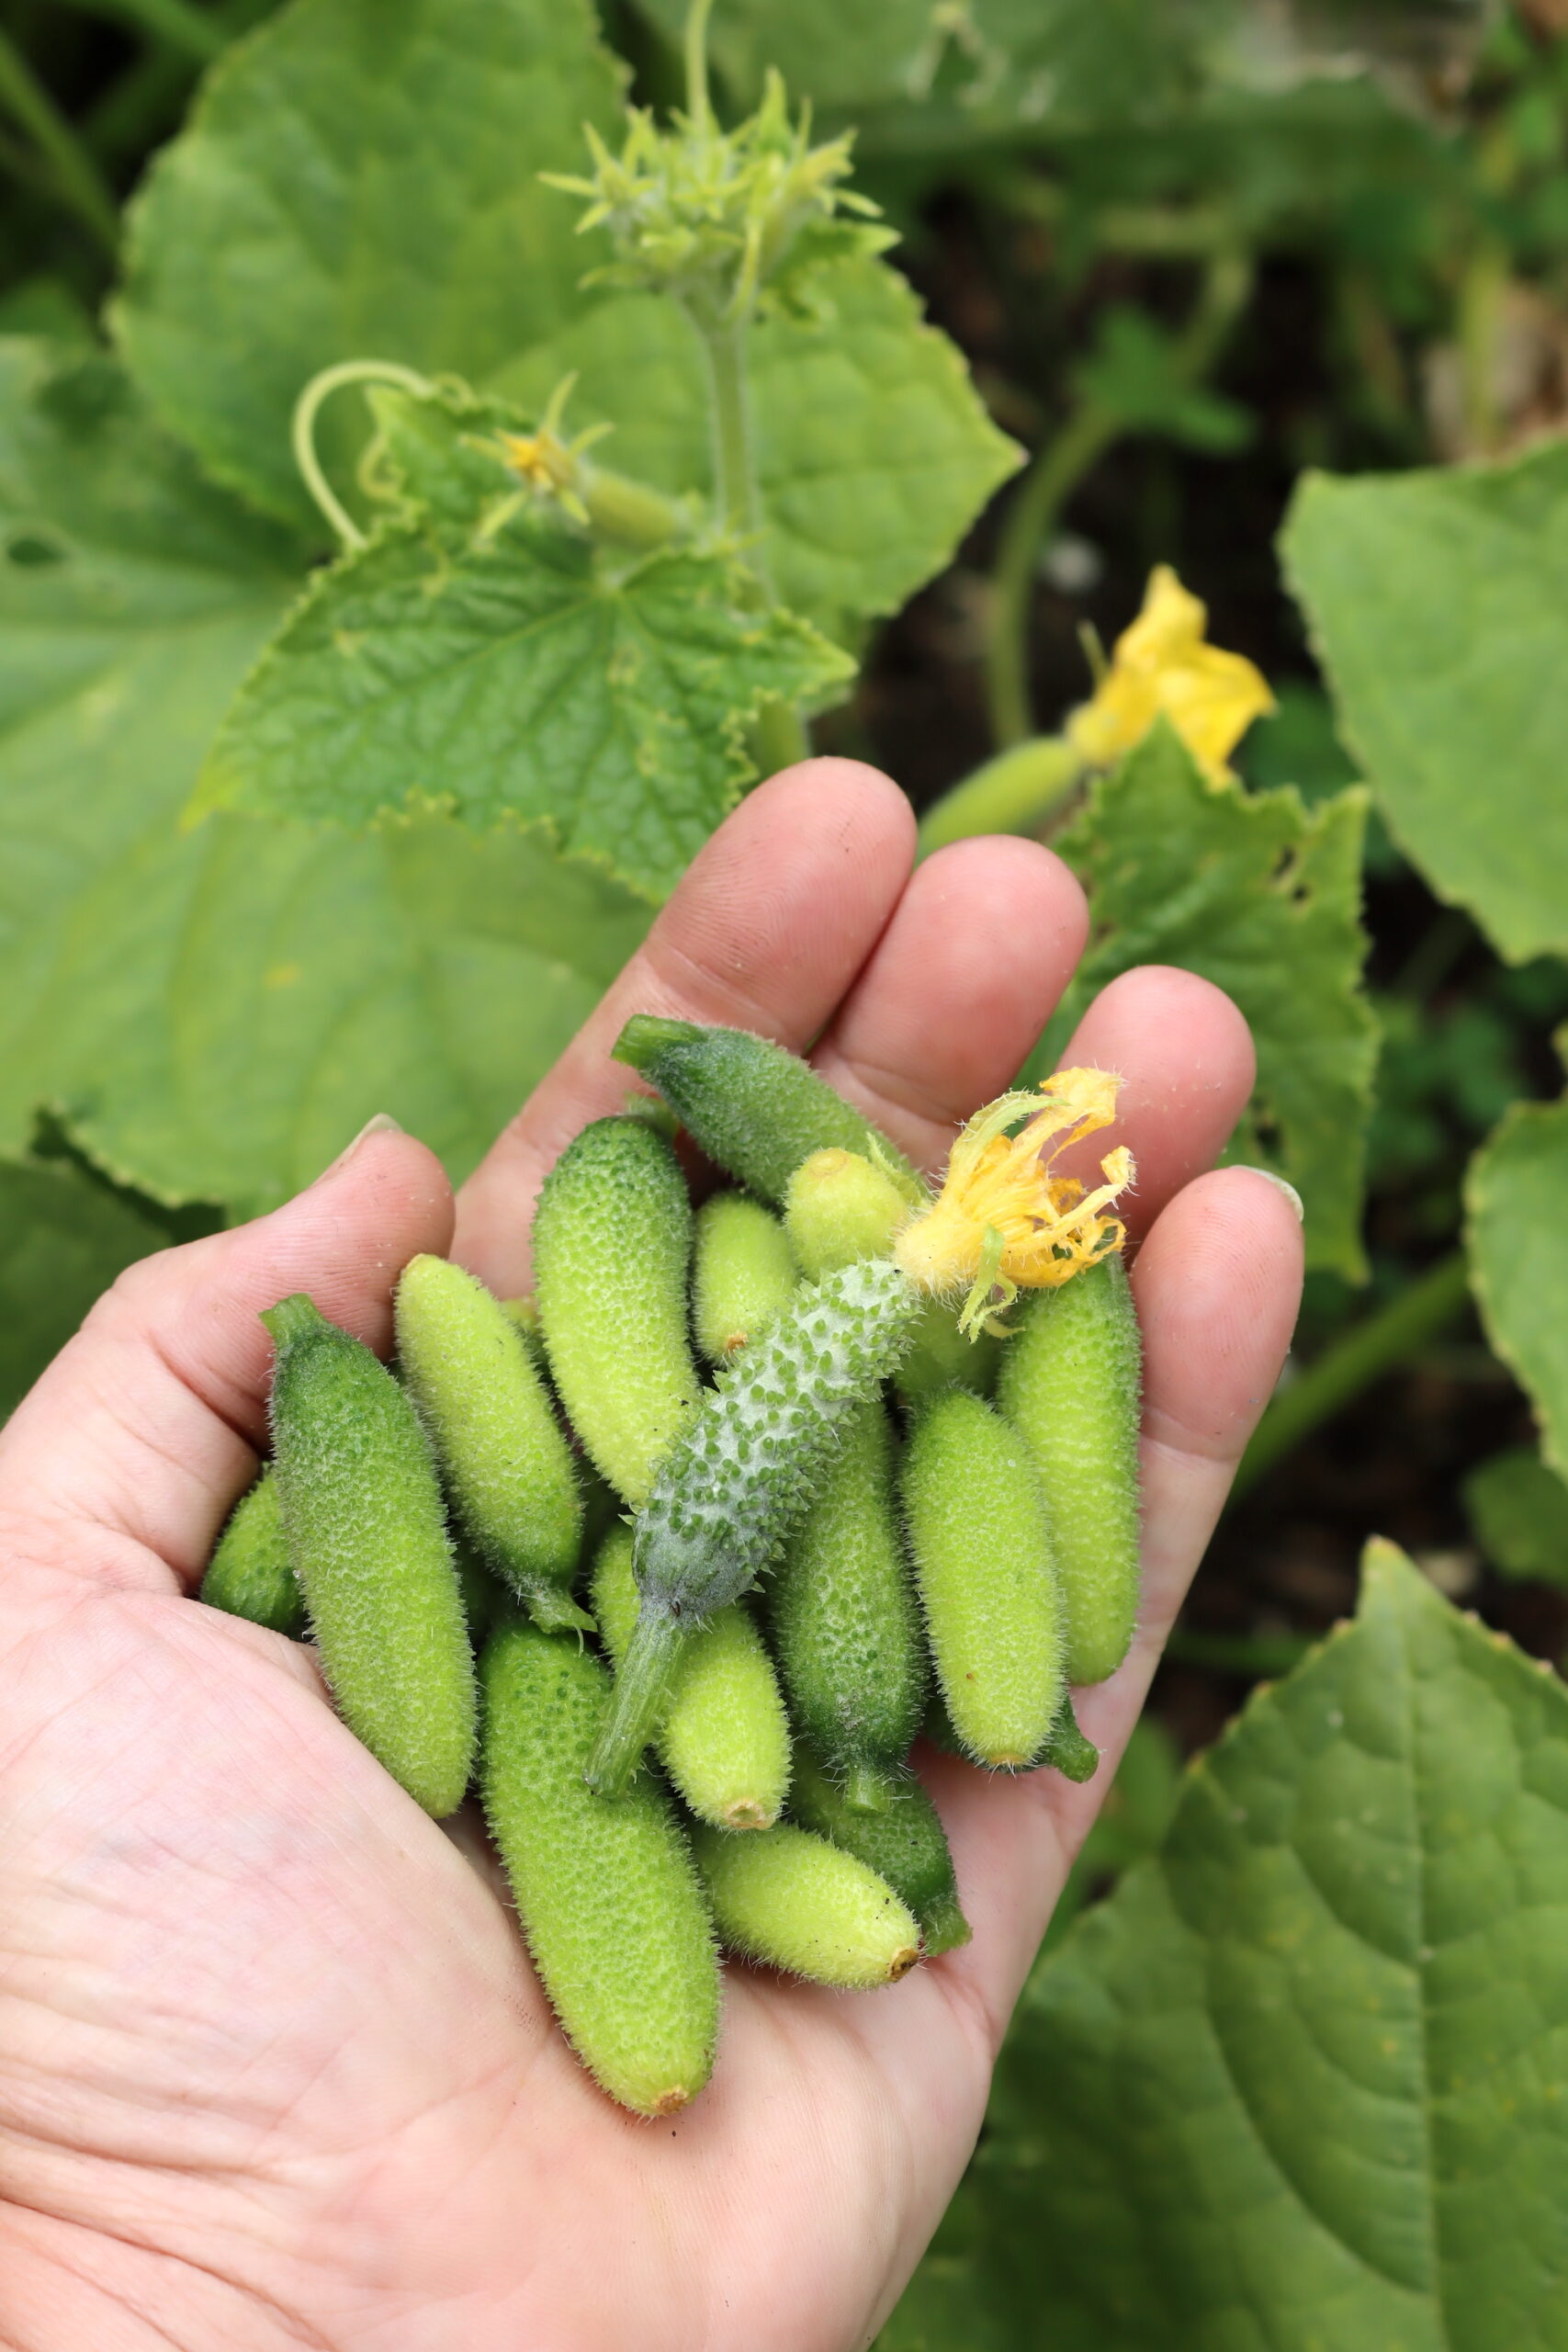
1161	664
1002	1222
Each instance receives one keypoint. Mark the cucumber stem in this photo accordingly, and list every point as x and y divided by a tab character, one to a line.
943	1926
867	1790
641	1687
555	1611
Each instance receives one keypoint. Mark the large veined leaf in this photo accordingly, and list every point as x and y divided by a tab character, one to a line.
874	454
360	178
1261	895
1298	2086
63	1242
1517	1203
1437	602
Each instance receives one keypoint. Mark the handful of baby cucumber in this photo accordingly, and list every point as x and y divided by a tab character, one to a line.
728	1517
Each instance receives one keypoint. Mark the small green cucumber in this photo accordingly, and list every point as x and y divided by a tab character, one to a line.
796	1902
1070	1384
367	1540
612	1255
943	1357
610	1902
507	1466
248	1574
845	1626
731	1493
905	1844
743	1273
756	1110
724	1737
978	1534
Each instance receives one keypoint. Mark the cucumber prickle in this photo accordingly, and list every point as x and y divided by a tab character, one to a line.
248	1574
905	1844
742	1275
732	1492
367	1540
1070	1386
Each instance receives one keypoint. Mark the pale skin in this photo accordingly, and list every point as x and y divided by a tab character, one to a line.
273	2069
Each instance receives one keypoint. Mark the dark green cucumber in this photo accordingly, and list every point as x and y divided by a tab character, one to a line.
367	1540
1070	1385
905	1844
793	1901
743	1273
249	1575
610	1903
756	1110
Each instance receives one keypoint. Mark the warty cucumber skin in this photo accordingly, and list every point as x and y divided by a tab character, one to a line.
366	1535
755	1109
743	1274
1070	1385
612	1258
795	1901
839	1207
610	1903
845	1623
724	1737
978	1535
248	1574
905	1844
507	1466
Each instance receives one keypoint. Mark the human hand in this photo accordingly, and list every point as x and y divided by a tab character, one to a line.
273	2069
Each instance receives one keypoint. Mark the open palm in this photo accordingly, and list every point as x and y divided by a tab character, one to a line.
273	2069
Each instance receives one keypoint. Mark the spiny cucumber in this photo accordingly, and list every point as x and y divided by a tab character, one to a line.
508	1468
367	1540
1070	1385
743	1273
846	1629
723	1739
796	1902
756	1110
732	1492
249	1575
612	1252
976	1528
905	1844
608	1897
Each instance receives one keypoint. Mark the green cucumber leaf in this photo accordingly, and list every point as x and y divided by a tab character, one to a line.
874	454
1518	1512
1299	2084
63	1242
1261	895
1435	602
359	178
1517	1233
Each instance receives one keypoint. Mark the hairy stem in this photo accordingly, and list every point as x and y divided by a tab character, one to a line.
641	1687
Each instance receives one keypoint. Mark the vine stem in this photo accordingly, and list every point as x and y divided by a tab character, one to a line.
699	108
76	176
302	434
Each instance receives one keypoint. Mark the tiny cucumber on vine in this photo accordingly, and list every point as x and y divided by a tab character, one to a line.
1070	1384
507	1466
610	1904
795	1901
905	1844
742	1275
612	1258
845	1626
248	1574
978	1534
366	1535
723	1736
756	1110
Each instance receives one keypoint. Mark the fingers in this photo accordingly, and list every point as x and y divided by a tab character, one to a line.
145	1429
766	931
959	987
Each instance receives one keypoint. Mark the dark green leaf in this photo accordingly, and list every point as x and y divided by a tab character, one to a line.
63	1242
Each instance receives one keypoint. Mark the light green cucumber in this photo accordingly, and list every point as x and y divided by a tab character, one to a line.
754	1109
525	1314
367	1540
248	1574
1069	1383
612	1256
796	1902
845	1626
742	1275
905	1844
722	1737
507	1466
976	1528
731	1493
610	1903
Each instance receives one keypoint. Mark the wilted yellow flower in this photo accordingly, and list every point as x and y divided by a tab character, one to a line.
1161	663
1002	1222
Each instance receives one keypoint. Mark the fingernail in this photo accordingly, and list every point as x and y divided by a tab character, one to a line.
383	1124
1290	1191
